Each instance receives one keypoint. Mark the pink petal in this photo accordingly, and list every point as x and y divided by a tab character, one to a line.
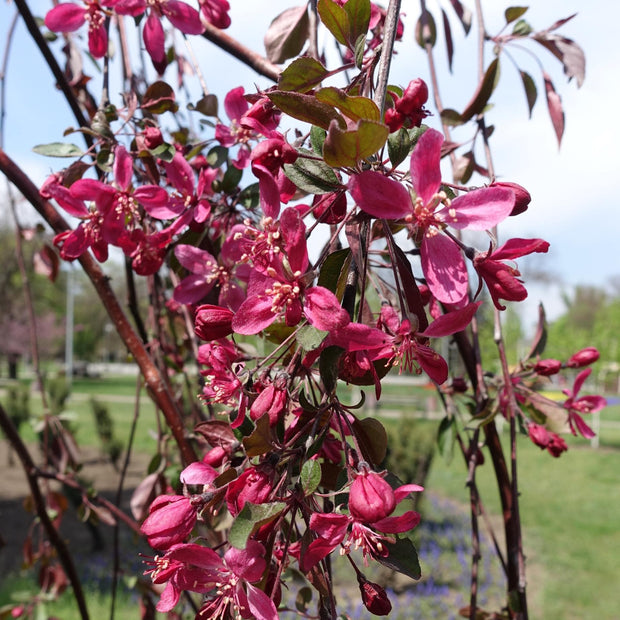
128	7
65	17
180	174
169	598
580	380
432	363
401	492
316	551
379	196
452	322
254	314
396	525
261	606
195	260
582	427
90	189
323	309
330	525
71	204
183	17
235	104
480	209
248	563
152	197
424	165
154	40
514	248
444	268
198	473
123	167
98	42
192	289
268	191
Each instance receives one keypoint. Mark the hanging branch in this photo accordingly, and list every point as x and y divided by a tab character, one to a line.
154	381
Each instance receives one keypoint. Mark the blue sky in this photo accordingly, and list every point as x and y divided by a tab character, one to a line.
575	205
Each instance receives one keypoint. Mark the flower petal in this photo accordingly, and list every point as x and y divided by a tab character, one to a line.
323	309
65	17
183	17
424	165
379	196
480	209
444	268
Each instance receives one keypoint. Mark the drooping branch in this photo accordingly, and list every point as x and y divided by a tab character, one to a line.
153	379
39	501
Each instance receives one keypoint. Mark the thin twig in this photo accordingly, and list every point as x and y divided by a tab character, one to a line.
387	50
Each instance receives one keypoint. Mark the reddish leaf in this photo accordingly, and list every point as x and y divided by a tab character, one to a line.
46	263
336	20
555	108
142	497
426	30
463	13
287	34
530	90
302	75
217	433
158	98
358	12
348	147
540	338
483	92
449	42
464	167
372	439
567	52
306	108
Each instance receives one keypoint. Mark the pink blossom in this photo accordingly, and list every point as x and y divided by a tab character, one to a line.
582	358
216	12
67	17
409	109
585	404
432	212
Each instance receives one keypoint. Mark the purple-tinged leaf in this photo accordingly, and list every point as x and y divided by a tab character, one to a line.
372	439
302	75
540	338
556	111
287	34
448	35
483	92
159	98
451	118
571	56
355	108
402	557
414	299
348	147
47	262
463	13
463	168
207	105
531	92
259	442
306	108
358	12
335	19
513	13
561	22
426	30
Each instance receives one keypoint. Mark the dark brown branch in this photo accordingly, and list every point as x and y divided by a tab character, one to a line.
61	79
259	63
156	385
39	501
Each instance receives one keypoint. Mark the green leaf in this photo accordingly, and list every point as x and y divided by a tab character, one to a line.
306	108
426	30
402	557
259	440
231	179
328	367
312	176
207	105
358	12
335	19
372	439
250	519
317	139
159	98
310	476
250	196
310	338
355	108
334	270
58	149
164	151
399	146
348	147
530	90
302	75
522	28
303	599
483	92
514	12
446	436
217	156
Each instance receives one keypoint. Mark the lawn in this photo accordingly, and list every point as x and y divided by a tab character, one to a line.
570	506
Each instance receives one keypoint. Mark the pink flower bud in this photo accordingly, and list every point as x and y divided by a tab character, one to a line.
371	498
522	196
556	445
374	598
152	137
539	435
546	368
582	358
213	322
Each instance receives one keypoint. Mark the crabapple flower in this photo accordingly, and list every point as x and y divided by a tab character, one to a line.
216	12
67	17
226	582
432	212
409	109
181	15
374	597
585	404
546	440
213	322
355	529
582	358
501	279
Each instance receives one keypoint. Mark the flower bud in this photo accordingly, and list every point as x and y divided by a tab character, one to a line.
371	498
539	435
546	368
374	597
582	358
213	322
522	196
152	137
556	445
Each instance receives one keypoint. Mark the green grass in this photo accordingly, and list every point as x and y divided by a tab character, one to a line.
570	509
